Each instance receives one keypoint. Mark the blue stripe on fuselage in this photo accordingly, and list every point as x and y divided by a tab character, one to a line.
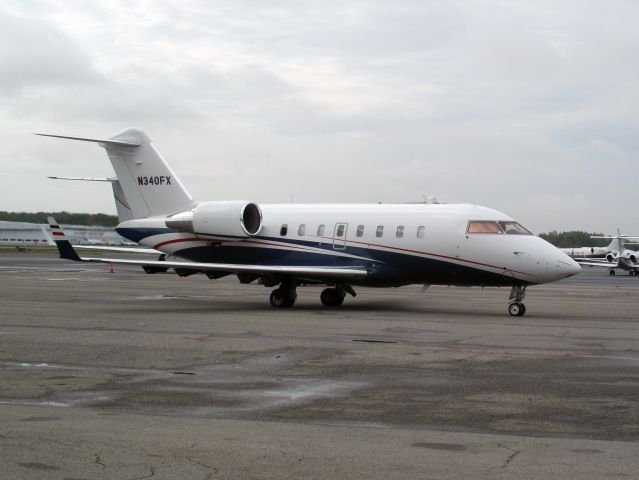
138	234
385	268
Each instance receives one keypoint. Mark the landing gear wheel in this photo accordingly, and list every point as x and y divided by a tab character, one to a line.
517	309
612	273
330	297
279	300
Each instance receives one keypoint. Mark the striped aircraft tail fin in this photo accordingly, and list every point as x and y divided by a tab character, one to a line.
62	242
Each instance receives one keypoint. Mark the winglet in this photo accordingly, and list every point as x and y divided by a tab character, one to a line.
64	246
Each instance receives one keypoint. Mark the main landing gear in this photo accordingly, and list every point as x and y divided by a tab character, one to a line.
515	307
285	295
334	297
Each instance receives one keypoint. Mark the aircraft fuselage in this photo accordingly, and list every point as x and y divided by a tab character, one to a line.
398	244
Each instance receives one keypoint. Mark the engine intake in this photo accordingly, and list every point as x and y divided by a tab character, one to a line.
239	219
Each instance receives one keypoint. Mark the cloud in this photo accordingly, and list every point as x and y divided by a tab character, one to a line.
34	53
525	107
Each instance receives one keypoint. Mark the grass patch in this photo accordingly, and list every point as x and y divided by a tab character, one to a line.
28	249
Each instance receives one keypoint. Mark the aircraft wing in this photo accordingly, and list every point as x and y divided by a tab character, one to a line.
150	251
67	251
309	272
594	263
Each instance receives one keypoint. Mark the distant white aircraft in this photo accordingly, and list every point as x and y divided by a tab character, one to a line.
589	252
286	246
617	256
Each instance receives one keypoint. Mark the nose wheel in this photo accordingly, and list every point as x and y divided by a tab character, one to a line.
515	307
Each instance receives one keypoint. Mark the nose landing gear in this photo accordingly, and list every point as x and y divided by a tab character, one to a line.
515	307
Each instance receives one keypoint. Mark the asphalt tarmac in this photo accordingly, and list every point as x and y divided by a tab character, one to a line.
125	375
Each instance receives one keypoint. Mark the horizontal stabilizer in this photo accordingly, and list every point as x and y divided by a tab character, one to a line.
85	179
117	143
614	237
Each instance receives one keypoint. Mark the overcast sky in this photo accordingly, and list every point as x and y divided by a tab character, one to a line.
531	108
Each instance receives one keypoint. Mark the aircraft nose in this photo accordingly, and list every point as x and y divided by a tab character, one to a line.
566	266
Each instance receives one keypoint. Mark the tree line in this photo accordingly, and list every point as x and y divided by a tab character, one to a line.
91	219
574	238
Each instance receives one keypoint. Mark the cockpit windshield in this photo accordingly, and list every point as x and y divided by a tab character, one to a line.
513	228
483	226
489	226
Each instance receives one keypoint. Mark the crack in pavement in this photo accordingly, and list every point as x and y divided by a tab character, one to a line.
510	457
151	473
98	461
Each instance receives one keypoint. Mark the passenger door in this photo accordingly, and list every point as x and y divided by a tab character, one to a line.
339	236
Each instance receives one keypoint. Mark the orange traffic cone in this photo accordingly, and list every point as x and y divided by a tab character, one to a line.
110	268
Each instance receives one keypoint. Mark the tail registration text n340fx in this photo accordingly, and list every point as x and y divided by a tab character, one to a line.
341	246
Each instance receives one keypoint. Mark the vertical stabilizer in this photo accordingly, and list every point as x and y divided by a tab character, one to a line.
121	203
147	184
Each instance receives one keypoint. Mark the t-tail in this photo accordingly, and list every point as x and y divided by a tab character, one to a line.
619	242
145	185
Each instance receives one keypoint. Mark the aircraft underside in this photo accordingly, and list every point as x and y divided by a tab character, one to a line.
384	268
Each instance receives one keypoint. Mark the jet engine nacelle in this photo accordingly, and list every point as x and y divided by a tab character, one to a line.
238	219
633	258
610	257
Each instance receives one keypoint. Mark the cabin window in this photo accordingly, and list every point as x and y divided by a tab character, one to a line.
483	226
380	231
284	230
302	230
400	231
320	230
420	231
340	231
360	231
513	228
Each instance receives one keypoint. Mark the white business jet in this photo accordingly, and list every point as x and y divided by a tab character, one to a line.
617	256
341	246
589	252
